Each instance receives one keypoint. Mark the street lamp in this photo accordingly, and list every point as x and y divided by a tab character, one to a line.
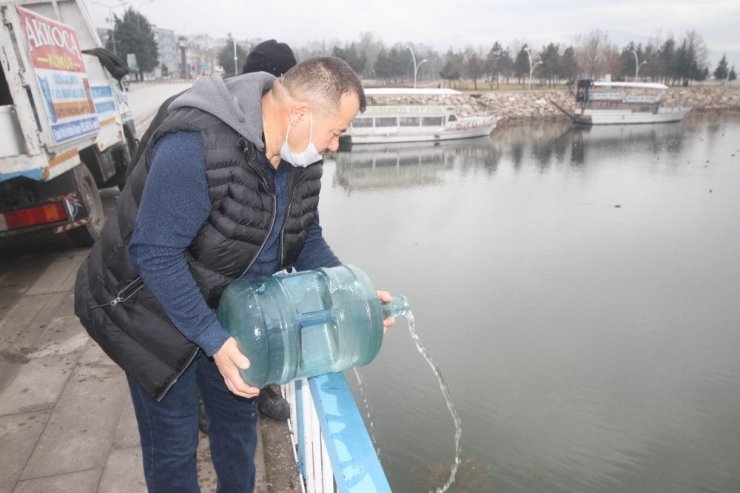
531	67
637	65
417	69
233	42
416	66
111	19
236	69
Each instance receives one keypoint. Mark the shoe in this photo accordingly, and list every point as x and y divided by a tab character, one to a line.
273	405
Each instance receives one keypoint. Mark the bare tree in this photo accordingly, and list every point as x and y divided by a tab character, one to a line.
475	65
592	51
370	47
613	62
701	52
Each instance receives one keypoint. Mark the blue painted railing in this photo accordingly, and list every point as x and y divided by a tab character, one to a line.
334	450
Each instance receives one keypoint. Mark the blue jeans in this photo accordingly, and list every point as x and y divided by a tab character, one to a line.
169	432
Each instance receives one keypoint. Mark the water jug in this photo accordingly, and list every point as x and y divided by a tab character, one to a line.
306	323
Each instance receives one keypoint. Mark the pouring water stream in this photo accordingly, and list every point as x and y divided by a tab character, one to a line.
445	393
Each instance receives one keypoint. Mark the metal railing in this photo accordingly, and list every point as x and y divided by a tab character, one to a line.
334	451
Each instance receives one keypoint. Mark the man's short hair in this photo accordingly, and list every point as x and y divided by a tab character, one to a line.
323	80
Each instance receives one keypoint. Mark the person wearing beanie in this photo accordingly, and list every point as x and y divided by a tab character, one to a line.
260	59
271	57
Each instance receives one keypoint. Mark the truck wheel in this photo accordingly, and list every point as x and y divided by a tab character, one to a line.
88	192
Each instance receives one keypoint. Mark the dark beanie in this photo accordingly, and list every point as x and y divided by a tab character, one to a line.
270	56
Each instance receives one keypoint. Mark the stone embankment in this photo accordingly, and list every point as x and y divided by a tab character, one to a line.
518	107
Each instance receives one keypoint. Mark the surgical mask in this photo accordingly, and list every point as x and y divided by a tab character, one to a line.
308	156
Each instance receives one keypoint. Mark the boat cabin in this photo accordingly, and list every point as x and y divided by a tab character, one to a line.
404	117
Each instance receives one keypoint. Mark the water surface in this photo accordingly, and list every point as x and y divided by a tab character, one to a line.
578	289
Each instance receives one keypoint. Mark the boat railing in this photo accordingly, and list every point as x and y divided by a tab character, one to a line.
334	452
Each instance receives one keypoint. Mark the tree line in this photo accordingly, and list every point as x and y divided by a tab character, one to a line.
133	35
668	60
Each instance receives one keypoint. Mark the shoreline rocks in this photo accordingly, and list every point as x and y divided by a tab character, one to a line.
520	107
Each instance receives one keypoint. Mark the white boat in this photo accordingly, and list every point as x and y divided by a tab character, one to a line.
610	103
400	122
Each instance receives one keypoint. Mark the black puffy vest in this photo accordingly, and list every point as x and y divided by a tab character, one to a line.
112	302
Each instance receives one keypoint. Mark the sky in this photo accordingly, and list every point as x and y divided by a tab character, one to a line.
447	24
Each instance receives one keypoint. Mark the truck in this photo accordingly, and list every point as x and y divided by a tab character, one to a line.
66	129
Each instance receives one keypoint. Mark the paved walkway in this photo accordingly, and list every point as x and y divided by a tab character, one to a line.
66	420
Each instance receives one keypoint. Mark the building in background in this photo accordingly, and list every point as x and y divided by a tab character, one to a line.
103	34
169	57
185	57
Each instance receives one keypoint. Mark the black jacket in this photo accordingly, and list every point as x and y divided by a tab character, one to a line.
111	300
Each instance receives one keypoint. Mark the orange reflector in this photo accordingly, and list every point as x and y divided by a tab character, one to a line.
33	216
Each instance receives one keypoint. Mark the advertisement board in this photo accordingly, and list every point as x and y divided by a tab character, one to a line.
60	70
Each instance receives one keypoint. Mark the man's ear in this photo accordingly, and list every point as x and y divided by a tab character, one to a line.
298	112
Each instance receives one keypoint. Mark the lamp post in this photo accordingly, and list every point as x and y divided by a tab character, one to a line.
112	20
416	66
637	64
531	67
236	69
417	69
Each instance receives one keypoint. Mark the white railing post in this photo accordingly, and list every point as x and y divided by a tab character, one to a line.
334	450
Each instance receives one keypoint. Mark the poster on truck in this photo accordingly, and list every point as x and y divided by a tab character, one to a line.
60	70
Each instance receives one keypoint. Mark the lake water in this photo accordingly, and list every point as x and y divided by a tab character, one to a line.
579	290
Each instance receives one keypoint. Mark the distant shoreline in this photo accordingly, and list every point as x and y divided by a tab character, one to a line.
523	107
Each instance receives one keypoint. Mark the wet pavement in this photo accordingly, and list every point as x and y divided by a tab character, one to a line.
66	419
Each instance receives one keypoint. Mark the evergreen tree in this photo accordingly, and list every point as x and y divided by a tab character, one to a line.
630	65
351	55
134	36
494	62
506	64
521	64
732	75
683	67
667	57
392	64
399	61
382	66
569	65
551	62
628	59
721	73
650	57
452	67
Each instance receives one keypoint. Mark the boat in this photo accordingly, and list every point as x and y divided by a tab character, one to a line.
402	122
610	103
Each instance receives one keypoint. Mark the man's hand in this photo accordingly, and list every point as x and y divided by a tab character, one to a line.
229	361
385	297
